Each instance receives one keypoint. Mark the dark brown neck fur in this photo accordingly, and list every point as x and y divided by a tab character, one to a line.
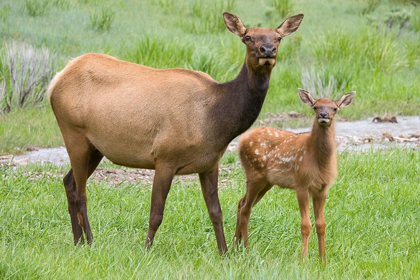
241	104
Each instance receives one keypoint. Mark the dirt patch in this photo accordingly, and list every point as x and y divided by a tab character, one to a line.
138	177
349	135
387	118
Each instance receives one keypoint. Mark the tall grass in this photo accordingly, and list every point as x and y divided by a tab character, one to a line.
37	8
371	215
101	20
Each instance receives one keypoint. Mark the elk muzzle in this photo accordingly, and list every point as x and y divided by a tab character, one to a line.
268	55
324	118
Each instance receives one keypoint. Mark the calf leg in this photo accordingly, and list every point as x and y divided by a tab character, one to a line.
319	203
305	225
255	190
209	181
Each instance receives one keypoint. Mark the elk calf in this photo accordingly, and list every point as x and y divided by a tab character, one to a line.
304	162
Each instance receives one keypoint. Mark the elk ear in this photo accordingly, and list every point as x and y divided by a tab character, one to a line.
306	97
234	24
346	99
290	25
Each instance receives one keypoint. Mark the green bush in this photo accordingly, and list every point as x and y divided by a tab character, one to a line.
25	75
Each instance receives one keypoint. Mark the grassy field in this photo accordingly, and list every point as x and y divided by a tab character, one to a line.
371	212
355	45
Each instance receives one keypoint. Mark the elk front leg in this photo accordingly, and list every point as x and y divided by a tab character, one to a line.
161	185
305	225
209	181
319	203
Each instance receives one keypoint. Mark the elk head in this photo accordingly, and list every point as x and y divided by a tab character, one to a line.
325	108
262	43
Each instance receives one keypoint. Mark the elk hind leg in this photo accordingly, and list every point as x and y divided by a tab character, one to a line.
84	161
255	190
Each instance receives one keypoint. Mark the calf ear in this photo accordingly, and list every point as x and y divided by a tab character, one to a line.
306	97
346	99
290	25
234	24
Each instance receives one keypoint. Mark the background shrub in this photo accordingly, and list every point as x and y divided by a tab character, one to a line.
26	73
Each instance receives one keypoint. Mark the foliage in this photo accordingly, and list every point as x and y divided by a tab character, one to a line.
25	76
318	85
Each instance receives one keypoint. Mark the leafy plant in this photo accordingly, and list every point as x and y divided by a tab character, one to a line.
25	75
319	84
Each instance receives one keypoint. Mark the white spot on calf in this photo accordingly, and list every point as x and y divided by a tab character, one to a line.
250	143
257	152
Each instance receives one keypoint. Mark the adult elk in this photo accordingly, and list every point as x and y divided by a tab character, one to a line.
304	162
176	121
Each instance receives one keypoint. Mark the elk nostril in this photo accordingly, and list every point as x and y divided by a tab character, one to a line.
323	115
263	49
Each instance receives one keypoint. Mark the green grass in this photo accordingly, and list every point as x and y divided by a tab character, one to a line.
371	212
22	129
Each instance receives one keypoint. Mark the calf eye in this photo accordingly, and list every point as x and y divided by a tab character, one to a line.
247	38
279	39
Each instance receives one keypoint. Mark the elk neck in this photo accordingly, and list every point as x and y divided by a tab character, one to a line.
241	102
322	142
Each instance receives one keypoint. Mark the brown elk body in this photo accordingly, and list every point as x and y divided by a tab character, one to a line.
175	121
304	162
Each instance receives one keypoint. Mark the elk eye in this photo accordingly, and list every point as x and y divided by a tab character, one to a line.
279	39
247	38
335	109
314	108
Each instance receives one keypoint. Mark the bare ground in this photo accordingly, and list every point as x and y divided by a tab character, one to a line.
375	132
